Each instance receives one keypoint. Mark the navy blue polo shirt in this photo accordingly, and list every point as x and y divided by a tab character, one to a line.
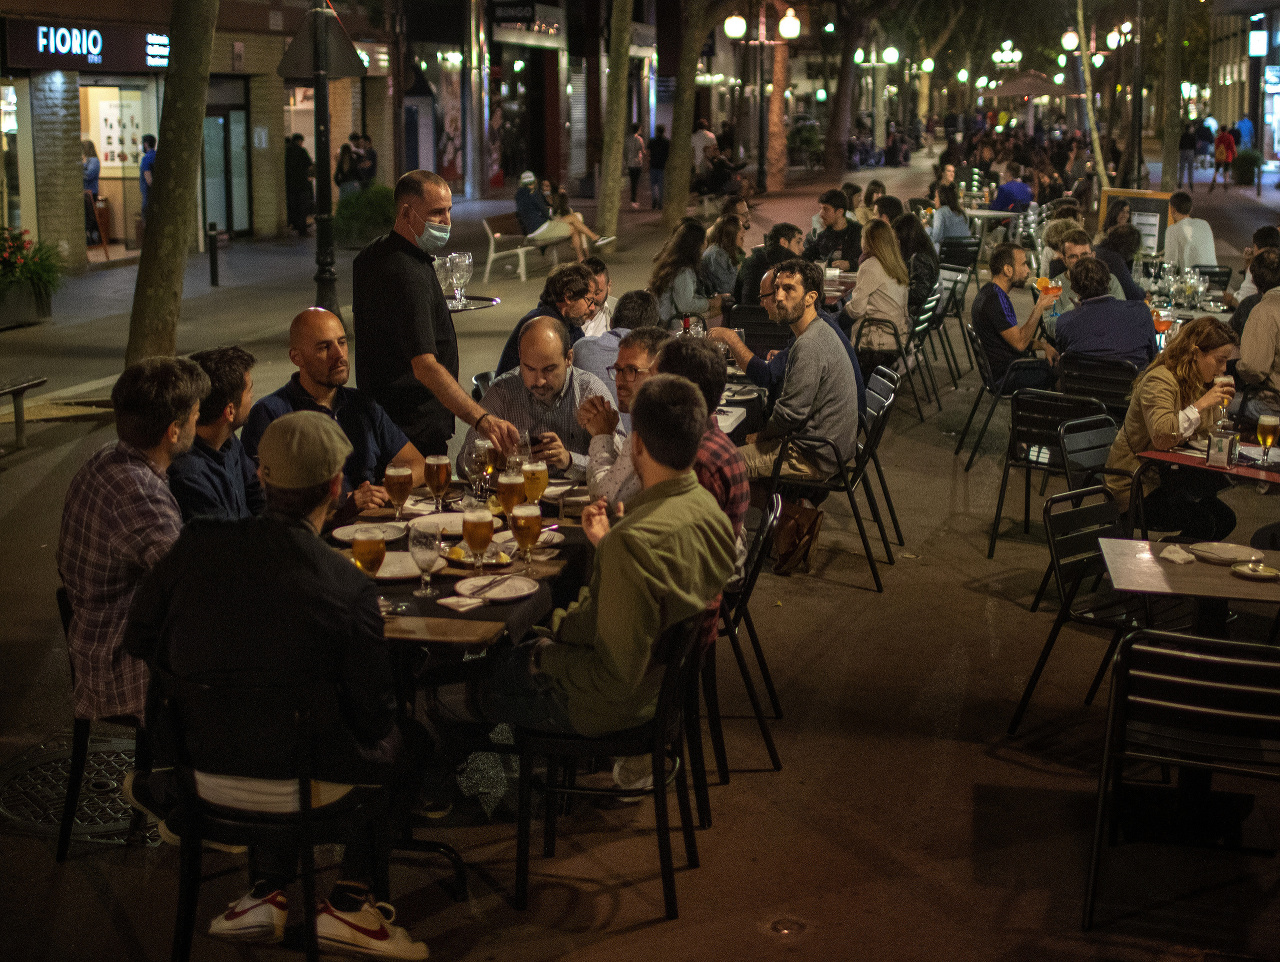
372	434
216	484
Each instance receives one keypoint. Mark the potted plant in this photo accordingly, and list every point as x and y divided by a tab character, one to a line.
29	274
364	215
1245	167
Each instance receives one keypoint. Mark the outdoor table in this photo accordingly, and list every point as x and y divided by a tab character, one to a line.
1136	566
984	219
1194	459
836	289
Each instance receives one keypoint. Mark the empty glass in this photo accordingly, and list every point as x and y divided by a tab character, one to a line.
460	271
424	546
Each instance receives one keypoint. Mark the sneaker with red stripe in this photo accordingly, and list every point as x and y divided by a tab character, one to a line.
253	919
366	931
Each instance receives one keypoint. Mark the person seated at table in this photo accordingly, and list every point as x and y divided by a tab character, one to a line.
1075	245
840	241
1171	401
769	373
1258	370
921	258
996	324
852	197
610	472
674	280
119	518
543	398
217	478
568	296
716	174
541	225
723	255
877	305
1013	195
783	242
815	392
1104	326
1123	240
665	559
865	214
737	205
1264	237
318	348
1264	274
602	301
889	208
635	309
945	175
1052	235
264	601
948	219
1188	241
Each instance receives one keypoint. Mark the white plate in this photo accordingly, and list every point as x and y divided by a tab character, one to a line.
1196	445
400	566
449	523
511	589
1260	573
390	530
556	488
545	540
1224	553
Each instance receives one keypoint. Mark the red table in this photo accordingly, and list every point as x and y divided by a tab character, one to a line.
1194	460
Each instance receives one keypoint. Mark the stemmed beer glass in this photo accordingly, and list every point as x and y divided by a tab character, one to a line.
1268	428
460	270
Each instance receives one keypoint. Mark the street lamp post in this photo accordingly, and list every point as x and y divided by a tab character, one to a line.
735	28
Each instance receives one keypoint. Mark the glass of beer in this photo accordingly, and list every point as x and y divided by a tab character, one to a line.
1223	381
424	547
510	490
368	548
477	532
496	464
398	480
437	477
1268	428
526	525
535	480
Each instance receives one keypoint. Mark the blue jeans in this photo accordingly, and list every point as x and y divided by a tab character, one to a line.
1187	165
656	178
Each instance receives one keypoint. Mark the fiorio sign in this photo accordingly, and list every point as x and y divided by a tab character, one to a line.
32	45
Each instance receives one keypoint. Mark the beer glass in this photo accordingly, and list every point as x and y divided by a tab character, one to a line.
368	549
437	477
1222	380
477	532
424	546
1268	428
398	480
526	526
535	480
510	490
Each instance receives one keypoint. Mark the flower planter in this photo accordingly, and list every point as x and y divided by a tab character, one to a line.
18	306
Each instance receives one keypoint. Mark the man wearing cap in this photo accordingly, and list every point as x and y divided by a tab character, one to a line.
289	610
542	226
839	244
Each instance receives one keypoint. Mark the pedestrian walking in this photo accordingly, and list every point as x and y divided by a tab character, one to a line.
659	150
634	157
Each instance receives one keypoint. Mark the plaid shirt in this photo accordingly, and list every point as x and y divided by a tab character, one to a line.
118	520
721	470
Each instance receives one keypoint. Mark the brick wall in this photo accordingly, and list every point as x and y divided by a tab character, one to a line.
266	111
55	123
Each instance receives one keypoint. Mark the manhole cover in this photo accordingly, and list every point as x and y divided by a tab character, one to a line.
33	788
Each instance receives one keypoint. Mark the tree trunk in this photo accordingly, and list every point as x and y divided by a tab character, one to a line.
776	158
1172	99
839	128
1099	161
171	206
680	162
615	119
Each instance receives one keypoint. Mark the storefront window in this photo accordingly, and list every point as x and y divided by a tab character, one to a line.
10	203
114	119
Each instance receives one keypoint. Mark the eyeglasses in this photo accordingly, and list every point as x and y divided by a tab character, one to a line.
765	295
627	373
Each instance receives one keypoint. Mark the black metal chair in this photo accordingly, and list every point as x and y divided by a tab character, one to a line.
759	333
938	336
882	386
1203	704
80	730
1108	380
907	349
849	473
955	283
918	341
480	383
1034	419
1075	521
961	252
990	386
662	739
734	614
1218	276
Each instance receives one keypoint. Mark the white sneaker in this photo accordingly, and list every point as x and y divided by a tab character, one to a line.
253	919
367	931
633	773
606	240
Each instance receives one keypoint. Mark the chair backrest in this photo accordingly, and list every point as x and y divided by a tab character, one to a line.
761	545
882	390
1084	445
748	314
1206	700
981	360
759	333
954	283
1108	380
504	224
1218	276
480	383
1034	421
1074	521
959	252
674	652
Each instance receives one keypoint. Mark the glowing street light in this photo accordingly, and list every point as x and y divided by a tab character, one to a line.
830	28
1062	60
1059	77
927	65
859	55
735	27
1070	41
1113	39
890	55
962	75
1098	60
981	83
789	25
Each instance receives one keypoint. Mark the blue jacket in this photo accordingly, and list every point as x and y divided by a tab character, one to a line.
1108	328
1013	196
216	484
532	208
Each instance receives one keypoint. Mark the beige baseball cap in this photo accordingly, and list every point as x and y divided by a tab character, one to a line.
301	450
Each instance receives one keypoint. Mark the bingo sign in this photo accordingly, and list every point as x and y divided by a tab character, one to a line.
33	45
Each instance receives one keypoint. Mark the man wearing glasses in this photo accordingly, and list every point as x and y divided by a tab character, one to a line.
610	472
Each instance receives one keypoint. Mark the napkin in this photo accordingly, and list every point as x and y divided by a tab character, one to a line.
459	603
1177	555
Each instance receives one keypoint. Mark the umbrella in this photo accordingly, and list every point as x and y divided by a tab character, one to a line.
1030	84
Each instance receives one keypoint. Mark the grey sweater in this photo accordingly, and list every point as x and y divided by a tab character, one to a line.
819	395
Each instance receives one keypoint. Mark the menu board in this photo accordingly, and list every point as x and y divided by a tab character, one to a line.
1148	211
119	127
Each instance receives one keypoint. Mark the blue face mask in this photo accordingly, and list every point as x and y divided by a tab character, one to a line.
433	237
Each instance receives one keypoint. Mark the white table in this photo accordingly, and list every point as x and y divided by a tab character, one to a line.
729	417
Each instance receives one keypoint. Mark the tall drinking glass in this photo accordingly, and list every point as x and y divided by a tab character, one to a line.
477	532
526	526
510	490
1268	428
368	548
424	546
536	479
476	464
436	469
398	480
460	268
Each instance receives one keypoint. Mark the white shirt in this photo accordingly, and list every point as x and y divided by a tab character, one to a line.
1247	287
599	322
1188	243
610	472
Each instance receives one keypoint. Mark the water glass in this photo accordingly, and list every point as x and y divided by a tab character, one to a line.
460	269
424	547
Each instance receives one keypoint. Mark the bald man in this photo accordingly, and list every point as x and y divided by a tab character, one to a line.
318	348
408	359
543	398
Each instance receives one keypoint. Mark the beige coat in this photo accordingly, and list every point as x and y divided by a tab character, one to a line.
877	295
1260	343
1153	412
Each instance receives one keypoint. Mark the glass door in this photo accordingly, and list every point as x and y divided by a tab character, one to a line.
215	172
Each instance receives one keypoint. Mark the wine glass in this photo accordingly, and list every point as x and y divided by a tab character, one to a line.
444	270
424	546
460	267
477	460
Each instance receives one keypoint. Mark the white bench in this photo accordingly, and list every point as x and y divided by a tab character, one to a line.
505	229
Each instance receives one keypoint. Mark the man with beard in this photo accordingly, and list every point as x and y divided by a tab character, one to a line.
817	388
840	242
318	347
1003	338
568	296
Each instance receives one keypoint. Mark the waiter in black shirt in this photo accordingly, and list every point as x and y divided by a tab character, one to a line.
839	244
406	347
